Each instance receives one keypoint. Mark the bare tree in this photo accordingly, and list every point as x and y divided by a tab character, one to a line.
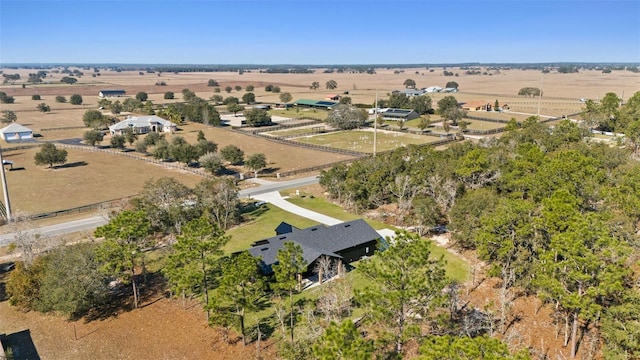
335	301
405	190
323	268
443	191
29	240
280	311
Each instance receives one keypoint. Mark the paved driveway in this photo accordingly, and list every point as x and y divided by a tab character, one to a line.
277	200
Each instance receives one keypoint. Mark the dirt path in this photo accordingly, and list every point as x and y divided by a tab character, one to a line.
162	329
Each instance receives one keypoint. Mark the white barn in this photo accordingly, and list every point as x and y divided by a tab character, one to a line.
16	132
143	125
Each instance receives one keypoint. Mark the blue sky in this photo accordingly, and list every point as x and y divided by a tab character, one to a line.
319	32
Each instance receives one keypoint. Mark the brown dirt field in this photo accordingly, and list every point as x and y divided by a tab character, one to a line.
361	87
160	329
110	176
105	177
280	157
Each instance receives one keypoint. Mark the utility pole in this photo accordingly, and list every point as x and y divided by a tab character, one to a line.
375	125
540	97
5	190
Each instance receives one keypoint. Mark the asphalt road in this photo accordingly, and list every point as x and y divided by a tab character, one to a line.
59	229
95	221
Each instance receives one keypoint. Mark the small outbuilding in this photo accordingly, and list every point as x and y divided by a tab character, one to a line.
16	132
111	93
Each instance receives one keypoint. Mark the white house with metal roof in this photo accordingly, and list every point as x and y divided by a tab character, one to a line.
143	125
16	132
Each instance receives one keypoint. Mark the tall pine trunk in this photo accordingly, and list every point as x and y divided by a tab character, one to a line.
291	314
204	286
574	335
134	285
244	337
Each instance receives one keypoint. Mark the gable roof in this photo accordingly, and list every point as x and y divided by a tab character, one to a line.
412	92
317	240
285	228
320	103
398	112
112	92
141	121
15	128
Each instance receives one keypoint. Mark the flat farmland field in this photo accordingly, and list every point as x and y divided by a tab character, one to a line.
280	157
88	177
362	140
38	189
362	88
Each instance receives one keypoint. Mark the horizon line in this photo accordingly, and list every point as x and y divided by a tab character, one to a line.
544	63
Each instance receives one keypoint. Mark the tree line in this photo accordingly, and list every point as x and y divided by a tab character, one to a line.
552	213
405	290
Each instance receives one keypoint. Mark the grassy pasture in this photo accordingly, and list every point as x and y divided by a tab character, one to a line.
359	140
280	157
300	112
88	177
294	131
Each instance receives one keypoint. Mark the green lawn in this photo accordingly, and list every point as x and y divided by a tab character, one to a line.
296	131
325	207
484	125
263	223
362	141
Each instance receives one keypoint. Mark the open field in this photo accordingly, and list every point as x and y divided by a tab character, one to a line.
561	91
88	177
561	96
293	132
362	141
362	88
300	112
280	157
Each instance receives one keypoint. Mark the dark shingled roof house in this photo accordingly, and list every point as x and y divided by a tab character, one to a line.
348	241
